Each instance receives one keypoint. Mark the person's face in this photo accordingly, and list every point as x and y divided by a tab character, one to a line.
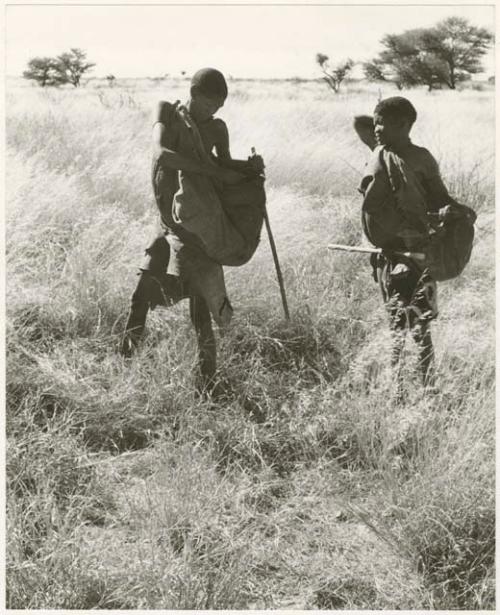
389	130
203	107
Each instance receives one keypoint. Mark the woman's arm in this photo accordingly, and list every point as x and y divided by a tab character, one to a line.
363	125
174	160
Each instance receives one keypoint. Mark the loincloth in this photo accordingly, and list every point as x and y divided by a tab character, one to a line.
182	271
410	295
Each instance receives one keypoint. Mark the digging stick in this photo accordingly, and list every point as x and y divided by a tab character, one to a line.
419	256
275	257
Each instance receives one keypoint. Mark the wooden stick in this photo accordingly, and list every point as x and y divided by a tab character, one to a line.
276	264
419	256
275	258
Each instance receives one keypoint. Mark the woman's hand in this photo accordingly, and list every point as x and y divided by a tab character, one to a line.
257	163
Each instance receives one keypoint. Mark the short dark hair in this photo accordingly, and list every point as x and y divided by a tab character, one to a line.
396	107
210	82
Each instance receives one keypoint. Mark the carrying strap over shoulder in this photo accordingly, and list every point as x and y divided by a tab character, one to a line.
189	123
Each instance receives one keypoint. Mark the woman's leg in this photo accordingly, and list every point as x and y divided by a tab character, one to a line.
422	335
146	294
136	321
202	322
398	335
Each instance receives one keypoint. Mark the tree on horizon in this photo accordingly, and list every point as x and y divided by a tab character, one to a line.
445	54
44	71
65	68
336	74
73	64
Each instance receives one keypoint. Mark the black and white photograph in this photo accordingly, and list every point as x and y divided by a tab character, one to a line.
249	307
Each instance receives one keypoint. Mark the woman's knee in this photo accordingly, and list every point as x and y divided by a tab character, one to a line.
157	256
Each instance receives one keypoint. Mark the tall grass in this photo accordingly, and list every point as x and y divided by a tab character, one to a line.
306	486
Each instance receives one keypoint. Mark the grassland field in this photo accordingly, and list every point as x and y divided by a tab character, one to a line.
307	487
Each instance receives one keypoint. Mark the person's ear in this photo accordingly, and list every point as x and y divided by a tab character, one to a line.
363	125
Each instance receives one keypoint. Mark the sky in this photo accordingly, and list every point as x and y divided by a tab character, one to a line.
241	40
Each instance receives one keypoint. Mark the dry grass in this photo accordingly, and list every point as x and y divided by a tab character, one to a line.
306	487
